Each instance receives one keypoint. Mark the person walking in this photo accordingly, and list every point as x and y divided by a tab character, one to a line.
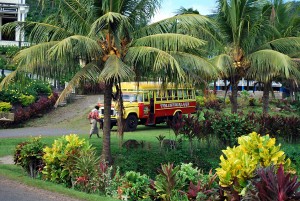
94	118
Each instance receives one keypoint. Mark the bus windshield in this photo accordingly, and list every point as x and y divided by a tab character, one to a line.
130	97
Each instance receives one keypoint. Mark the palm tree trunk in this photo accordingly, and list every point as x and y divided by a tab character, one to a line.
106	153
233	97
266	97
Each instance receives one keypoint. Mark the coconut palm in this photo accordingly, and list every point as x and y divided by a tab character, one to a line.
109	42
285	23
246	30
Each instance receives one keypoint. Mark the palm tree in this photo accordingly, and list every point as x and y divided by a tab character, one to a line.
110	44
246	42
285	24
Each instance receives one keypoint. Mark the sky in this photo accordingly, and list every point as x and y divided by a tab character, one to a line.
169	7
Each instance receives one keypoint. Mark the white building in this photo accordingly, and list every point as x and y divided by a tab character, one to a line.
11	11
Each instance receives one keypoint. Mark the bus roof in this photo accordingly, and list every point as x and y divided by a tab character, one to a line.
150	85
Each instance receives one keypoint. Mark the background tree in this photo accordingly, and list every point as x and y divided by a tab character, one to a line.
246	42
284	23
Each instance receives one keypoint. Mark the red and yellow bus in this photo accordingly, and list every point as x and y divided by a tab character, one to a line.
148	103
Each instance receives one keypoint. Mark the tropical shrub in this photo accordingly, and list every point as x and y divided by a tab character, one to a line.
29	155
240	162
228	127
135	186
184	182
5	107
278	126
210	101
86	171
167	183
276	185
26	100
10	95
60	159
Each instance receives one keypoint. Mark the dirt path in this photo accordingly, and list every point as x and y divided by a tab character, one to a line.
13	190
71	118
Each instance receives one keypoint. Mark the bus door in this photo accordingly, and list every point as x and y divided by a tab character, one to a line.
152	108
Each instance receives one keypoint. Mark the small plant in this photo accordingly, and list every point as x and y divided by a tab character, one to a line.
252	102
167	182
26	100
276	186
86	170
135	186
29	155
5	107
191	129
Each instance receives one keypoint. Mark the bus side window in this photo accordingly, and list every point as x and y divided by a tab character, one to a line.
190	94
170	97
175	95
184	94
163	95
180	95
139	98
146	98
151	94
158	95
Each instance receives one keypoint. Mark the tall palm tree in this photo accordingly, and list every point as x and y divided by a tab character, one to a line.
246	42
285	23
110	42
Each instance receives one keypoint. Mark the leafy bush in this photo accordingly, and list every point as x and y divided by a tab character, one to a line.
240	163
228	127
184	182
60	159
135	186
5	107
278	126
209	101
29	155
252	101
10	95
276	186
167	183
26	100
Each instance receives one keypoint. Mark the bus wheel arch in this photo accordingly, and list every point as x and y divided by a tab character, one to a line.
131	122
177	116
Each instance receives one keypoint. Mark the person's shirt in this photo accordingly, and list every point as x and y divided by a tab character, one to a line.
94	114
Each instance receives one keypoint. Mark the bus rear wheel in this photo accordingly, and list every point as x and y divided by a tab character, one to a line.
131	123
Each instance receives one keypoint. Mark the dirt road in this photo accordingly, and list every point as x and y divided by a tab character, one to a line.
72	118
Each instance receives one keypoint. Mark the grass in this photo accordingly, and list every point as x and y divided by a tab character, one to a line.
16	173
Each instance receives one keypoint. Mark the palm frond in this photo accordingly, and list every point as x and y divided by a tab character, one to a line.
266	64
33	56
7	80
115	69
288	45
108	20
90	72
75	46
169	42
223	62
185	21
160	59
194	64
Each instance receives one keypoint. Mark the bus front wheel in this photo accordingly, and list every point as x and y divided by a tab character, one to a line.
131	123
